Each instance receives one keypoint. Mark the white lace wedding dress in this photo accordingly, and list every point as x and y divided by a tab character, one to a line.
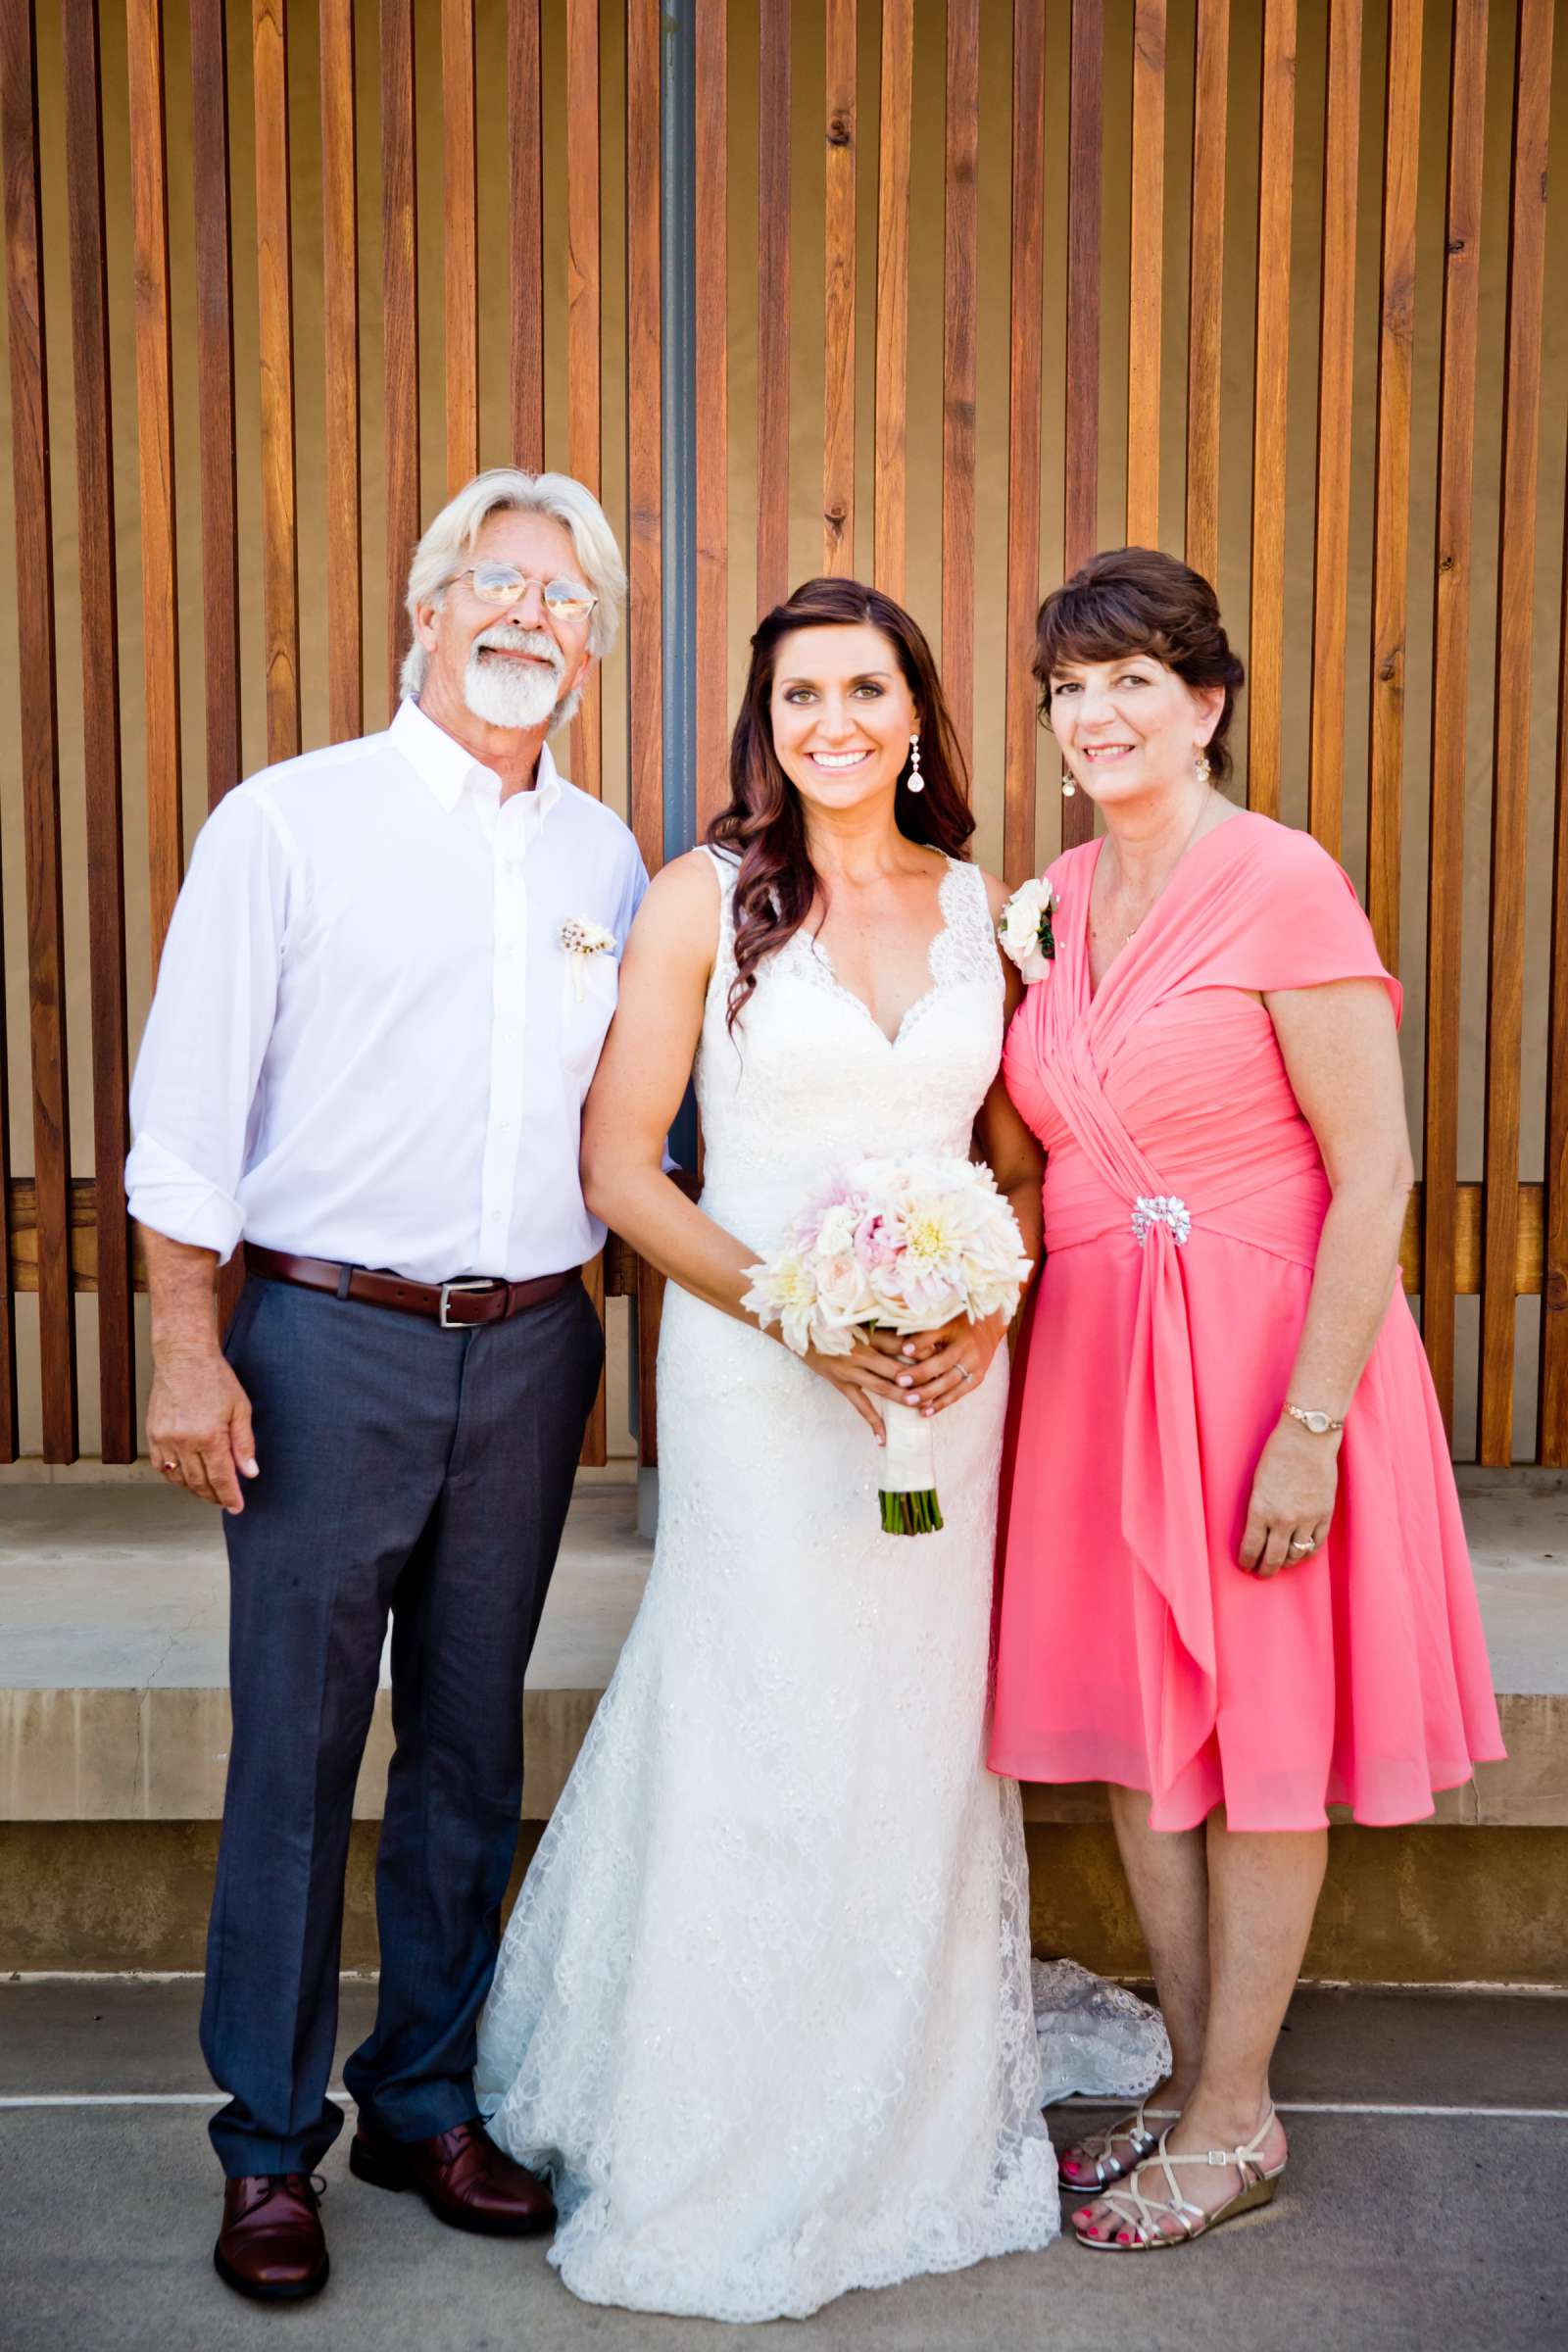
764	2009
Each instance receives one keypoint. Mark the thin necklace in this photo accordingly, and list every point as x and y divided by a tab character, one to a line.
1129	936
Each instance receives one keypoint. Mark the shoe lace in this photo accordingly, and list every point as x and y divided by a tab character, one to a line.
310	2187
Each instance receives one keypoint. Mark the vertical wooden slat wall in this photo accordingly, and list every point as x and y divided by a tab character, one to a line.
340	291
959	331
1510	747
1336	385
896	105
838	306
1354	495
527	219
155	447
274	275
100	712
1452	589
1026	288
773	81
39	724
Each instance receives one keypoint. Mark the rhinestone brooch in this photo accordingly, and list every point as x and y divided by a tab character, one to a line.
1160	1208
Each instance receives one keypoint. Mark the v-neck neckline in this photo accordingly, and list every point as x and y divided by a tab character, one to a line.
1123	955
842	988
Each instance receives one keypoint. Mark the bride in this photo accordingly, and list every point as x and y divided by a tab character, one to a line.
764	2009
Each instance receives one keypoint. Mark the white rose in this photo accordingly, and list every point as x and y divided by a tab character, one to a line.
1019	928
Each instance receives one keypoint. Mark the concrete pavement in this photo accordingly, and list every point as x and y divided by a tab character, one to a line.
1394	2229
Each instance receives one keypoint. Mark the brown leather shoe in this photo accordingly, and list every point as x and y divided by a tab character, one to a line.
464	2178
272	2246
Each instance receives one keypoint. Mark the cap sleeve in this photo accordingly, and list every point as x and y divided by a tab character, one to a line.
1295	922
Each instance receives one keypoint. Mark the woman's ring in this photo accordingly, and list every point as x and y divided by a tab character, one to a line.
171	1465
964	1372
1301	1545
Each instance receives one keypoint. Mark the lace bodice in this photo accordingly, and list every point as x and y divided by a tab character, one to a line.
808	1082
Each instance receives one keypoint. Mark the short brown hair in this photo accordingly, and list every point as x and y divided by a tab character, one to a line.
1135	600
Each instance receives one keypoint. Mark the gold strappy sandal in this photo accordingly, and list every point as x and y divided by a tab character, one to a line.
1142	2216
1097	2150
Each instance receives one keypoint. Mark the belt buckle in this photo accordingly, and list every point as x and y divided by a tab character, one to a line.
471	1282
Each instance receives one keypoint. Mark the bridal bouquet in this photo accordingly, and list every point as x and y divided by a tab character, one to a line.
900	1246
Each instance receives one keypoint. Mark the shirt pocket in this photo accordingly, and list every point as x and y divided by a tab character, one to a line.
585	1018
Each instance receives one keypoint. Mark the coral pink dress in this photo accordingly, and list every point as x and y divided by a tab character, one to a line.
1132	1647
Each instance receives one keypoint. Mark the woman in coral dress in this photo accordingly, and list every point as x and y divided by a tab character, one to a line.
1235	1585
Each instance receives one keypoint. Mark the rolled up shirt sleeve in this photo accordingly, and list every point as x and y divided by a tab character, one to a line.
193	1099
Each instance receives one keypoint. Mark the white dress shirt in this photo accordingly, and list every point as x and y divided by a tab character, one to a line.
366	1043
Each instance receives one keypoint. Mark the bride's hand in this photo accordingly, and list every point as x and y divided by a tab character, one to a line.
860	1376
936	1368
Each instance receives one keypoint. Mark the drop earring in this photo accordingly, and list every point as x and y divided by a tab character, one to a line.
1201	768
1068	787
916	782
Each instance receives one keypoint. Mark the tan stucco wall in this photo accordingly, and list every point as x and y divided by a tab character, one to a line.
807	384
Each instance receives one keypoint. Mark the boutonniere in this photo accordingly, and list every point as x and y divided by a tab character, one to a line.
1025	930
581	939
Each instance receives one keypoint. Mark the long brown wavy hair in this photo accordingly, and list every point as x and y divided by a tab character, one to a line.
765	824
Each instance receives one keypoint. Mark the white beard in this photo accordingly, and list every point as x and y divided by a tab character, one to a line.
508	694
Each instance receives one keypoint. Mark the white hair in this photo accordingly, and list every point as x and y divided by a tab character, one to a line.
505	489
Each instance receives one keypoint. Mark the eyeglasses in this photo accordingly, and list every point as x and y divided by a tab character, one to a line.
502	584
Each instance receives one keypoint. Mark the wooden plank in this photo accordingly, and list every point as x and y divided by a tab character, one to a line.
890	493
644	565
1336	394
1467	117
274	273
400	304
340	288
711	62
214	368
1270	394
155	445
526	223
1551	1433
773	304
38	733
1147	275
583	445
584	359
1207	284
838	319
1024	384
960	265
1086	107
1510	760
459	241
100	717
1391	545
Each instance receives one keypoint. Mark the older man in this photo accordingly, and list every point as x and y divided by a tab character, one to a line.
380	1004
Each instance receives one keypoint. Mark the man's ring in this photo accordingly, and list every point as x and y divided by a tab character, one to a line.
171	1465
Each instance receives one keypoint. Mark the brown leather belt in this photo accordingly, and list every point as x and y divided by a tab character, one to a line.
459	1305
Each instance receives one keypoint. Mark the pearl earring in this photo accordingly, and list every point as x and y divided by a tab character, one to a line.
917	781
1068	787
1201	768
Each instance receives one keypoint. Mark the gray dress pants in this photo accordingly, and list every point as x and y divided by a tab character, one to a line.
421	1473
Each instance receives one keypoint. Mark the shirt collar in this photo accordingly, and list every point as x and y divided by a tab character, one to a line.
449	768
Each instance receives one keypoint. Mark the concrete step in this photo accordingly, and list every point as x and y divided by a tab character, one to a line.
114	1680
115	1724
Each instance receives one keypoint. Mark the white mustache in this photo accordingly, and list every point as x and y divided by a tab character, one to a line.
507	639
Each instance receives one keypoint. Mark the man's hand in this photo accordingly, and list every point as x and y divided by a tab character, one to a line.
199	1427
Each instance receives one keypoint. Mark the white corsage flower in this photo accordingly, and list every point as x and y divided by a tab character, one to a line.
1025	930
581	939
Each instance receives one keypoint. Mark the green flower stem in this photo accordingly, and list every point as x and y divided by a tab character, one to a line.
911	1514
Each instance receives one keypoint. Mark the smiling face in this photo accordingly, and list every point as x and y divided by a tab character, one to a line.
1130	729
511	666
842	714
